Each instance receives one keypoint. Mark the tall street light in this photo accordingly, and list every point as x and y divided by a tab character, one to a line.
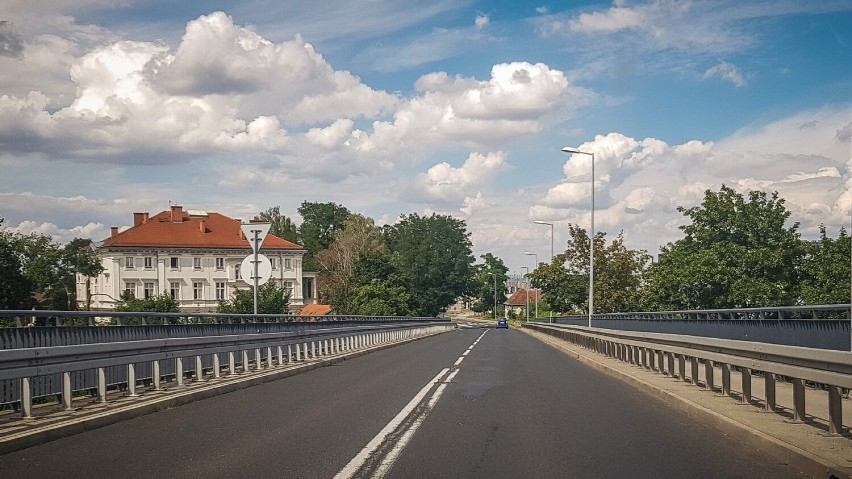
569	149
536	267
539	222
527	294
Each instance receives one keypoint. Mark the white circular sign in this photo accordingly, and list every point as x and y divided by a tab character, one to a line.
264	269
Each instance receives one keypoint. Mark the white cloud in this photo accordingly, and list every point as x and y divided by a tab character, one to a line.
472	204
725	71
443	182
481	21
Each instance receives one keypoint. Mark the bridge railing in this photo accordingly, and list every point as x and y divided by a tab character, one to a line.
670	354
821	326
92	367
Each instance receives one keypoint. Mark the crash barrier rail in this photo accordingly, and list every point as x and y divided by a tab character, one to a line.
822	326
25	318
669	354
93	368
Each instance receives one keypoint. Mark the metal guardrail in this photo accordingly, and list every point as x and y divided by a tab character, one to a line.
669	354
23	318
821	326
68	369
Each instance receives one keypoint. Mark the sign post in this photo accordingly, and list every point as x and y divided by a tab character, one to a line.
255	234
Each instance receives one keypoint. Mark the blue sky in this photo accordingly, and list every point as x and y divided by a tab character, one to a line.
393	107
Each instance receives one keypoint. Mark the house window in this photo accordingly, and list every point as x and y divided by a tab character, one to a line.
128	262
173	262
274	262
220	290
237	272
197	290
288	285
130	289
288	263
149	262
196	263
149	289
220	264
174	289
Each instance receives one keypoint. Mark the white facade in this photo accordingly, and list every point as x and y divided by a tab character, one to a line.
197	278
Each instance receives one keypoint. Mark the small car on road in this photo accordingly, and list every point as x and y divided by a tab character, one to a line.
502	324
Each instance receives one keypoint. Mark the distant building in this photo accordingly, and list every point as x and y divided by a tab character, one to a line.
520	299
193	255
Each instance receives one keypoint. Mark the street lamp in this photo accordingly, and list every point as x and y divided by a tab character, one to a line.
539	222
527	294
536	266
569	149
495	295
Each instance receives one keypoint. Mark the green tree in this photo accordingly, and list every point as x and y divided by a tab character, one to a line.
825	269
280	225
492	271
271	299
379	298
337	263
433	257
736	252
320	221
15	288
163	303
618	275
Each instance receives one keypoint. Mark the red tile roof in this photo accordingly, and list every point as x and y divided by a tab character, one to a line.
519	298
179	229
315	310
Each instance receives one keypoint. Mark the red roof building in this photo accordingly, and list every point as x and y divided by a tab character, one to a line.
193	255
521	298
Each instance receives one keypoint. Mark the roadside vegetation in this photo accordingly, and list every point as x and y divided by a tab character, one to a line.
737	251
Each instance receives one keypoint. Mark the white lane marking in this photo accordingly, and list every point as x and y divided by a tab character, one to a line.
361	458
394	453
365	453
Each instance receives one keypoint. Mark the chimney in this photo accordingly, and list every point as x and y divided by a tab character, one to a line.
202	225
144	217
138	219
177	214
113	231
240	229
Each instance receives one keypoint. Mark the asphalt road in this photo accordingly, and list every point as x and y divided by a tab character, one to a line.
458	405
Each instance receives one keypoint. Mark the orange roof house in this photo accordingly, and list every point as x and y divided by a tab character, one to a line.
315	310
182	229
519	298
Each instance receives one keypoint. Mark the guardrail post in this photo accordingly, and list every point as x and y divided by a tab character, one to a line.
745	375
66	391
246	365
155	375
179	371
313	349
289	353
280	356
269	357
258	359
835	411
693	366
101	385
670	359
298	352
798	400
709	374
232	363
305	350
726	379
26	398
216	366
131	380
769	389
199	371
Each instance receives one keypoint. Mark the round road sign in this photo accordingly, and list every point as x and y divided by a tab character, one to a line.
264	269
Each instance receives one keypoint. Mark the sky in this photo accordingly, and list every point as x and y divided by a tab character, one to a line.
456	107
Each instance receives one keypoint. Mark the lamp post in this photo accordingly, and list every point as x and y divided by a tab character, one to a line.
539	222
527	294
569	149
536	267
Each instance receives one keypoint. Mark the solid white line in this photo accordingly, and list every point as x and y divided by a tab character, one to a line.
394	453
365	453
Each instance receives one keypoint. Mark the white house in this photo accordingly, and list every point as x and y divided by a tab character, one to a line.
193	255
